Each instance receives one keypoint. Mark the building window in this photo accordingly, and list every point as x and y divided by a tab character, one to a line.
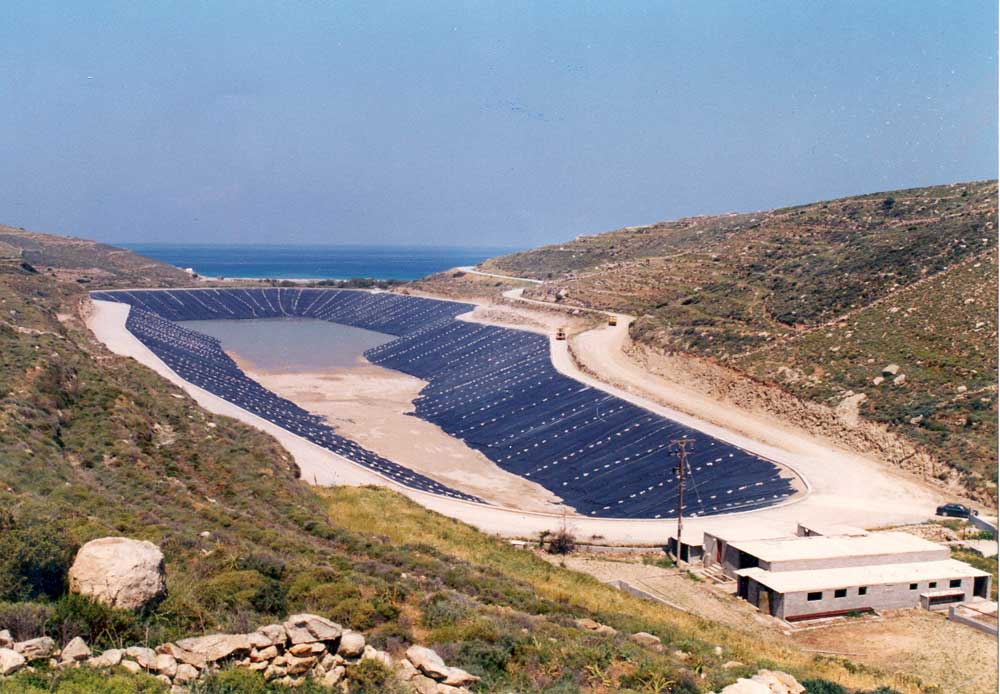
863	590
932	584
955	583
840	593
813	597
914	586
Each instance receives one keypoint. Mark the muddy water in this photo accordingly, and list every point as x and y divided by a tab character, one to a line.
292	344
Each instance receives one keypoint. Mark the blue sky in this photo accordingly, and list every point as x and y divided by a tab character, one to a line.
504	124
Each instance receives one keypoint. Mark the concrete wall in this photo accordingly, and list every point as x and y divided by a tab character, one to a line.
881	597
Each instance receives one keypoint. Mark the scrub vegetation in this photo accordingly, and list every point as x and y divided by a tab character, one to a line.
93	445
818	299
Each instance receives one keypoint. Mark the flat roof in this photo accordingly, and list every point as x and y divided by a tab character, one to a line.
833	529
880	574
824	547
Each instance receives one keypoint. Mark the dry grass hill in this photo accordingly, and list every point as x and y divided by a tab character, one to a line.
817	300
92	444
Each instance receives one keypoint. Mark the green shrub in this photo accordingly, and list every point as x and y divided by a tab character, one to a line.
98	625
372	677
444	609
34	559
25	620
818	686
80	681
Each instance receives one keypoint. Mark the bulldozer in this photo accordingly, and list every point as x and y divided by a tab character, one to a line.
612	321
561	334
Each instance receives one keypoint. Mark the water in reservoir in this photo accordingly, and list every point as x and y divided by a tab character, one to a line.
291	344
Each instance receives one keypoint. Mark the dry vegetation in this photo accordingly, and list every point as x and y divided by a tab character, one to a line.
92	444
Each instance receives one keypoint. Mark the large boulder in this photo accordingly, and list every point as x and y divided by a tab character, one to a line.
119	572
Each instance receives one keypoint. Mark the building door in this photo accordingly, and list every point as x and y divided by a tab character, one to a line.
764	601
718	551
980	586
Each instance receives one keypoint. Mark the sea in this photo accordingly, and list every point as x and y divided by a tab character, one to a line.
316	262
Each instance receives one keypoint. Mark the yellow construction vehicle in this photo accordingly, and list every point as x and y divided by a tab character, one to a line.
612	320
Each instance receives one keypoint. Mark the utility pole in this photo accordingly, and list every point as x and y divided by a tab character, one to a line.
681	446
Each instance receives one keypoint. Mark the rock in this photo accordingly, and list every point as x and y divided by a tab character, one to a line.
427	661
196	660
34	649
165	664
162	678
458	677
304	649
145	657
779	682
185	673
405	670
75	650
370	653
878	380
330	661
304	628
11	661
422	684
352	644
731	665
273	672
745	686
6	640
331	678
899	380
109	658
890	370
962	389
718	650
268	653
681	655
299	666
646	639
215	647
131	666
273	633
119	572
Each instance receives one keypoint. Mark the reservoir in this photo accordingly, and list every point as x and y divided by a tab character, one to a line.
284	345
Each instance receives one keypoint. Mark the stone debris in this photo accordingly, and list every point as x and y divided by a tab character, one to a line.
305	646
890	370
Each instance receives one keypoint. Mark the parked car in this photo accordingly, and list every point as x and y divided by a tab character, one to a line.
956	511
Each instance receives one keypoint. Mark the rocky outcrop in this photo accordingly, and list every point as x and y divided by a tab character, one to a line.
766	682
305	646
119	572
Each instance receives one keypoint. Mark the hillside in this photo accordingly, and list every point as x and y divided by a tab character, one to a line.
817	299
92	444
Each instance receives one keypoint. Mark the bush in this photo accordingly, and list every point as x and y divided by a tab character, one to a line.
34	559
818	686
80	681
562	542
444	609
100	626
372	677
25	620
